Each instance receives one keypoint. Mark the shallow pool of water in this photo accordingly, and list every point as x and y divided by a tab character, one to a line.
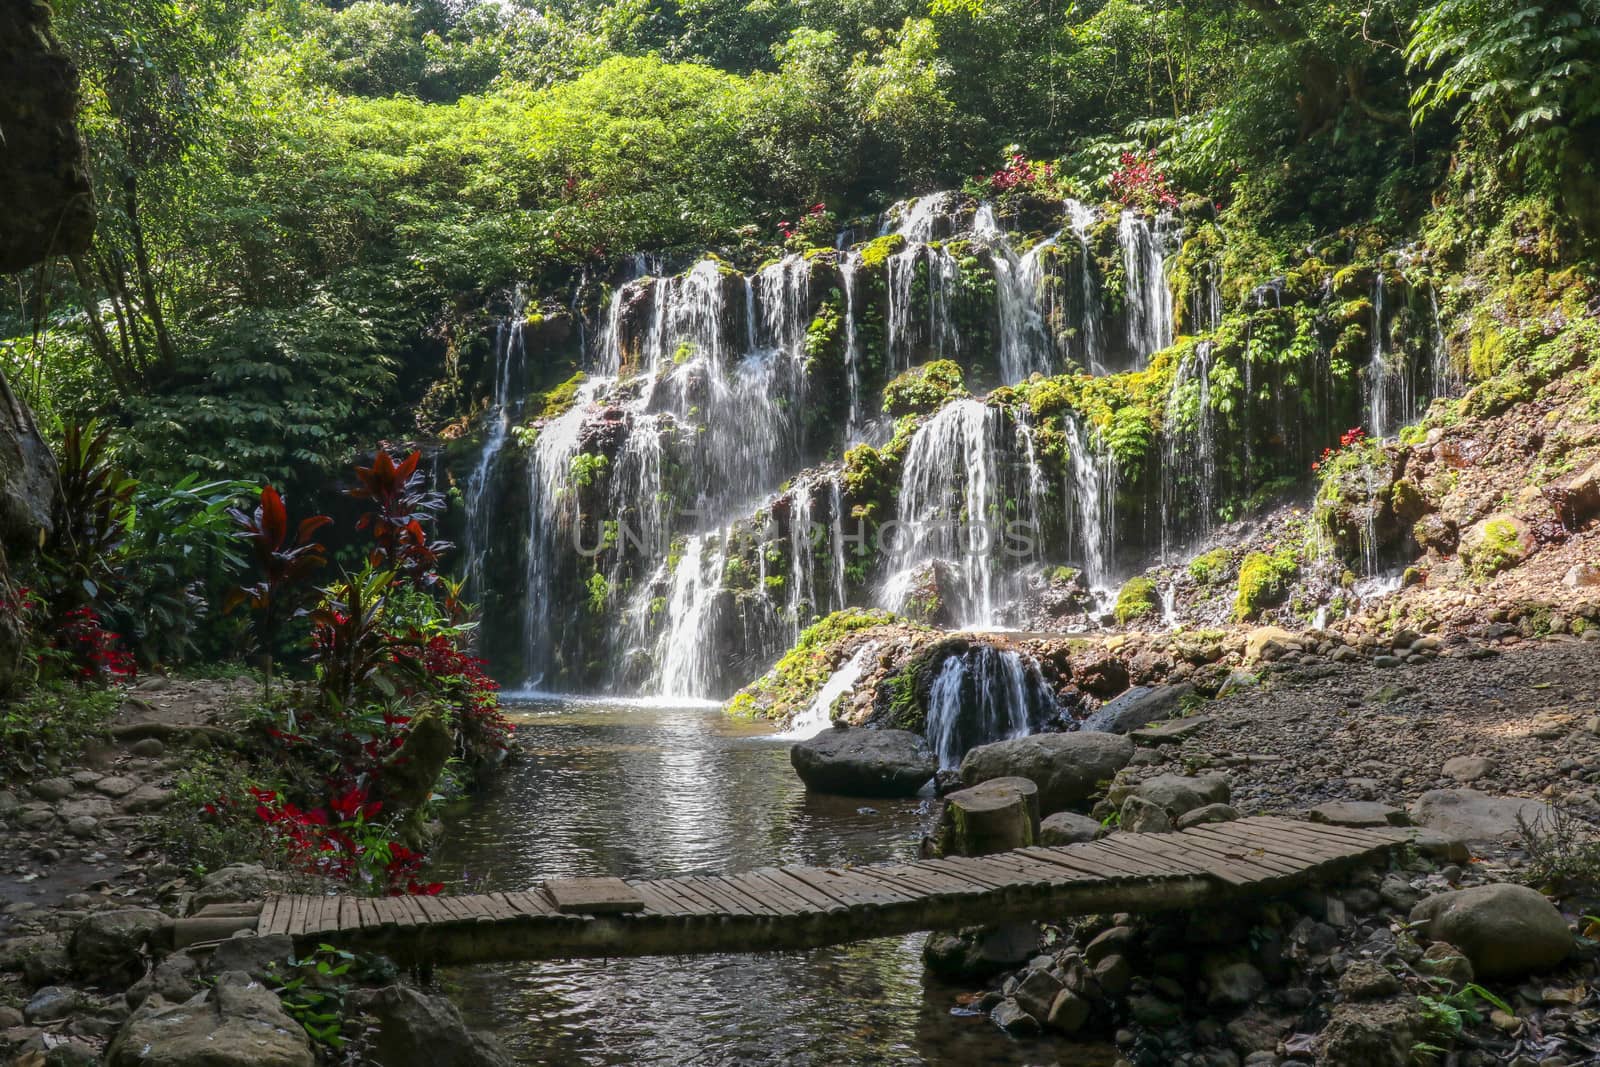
632	788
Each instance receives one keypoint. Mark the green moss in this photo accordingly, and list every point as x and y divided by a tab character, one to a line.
558	400
1263	580
925	389
1212	566
1138	599
1498	548
876	252
803	670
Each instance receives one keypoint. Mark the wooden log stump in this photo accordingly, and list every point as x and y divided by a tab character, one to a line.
993	816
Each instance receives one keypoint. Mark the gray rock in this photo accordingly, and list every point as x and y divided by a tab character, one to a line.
1445	961
1581	576
83	826
1114	974
1068	1013
50	1004
1504	930
1138	707
1234	984
116	786
979	951
1152	1011
1068	768
1171	732
53	789
1178	794
866	763
1237	681
146	800
149	747
240	1023
235	883
35	818
73	1053
1069	828
10	1017
1357	813
110	944
175	979
1208	813
414	1028
1468	815
8	804
1367	980
250	954
1141	815
1037	992
1467	768
1378	1033
1009	1016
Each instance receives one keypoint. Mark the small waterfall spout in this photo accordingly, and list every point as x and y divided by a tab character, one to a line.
815	718
510	361
1189	473
1148	298
983	695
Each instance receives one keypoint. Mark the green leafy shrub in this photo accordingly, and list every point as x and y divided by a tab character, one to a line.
1211	567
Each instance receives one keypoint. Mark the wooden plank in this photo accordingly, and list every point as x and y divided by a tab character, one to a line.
348	917
907	880
869	892
1235	859
941	882
1174	860
592	896
655	904
1286	837
695	903
395	913
499	908
938	868
1353	835
712	888
1057	857
750	894
269	917
808	876
776	895
297	917
1027	870
970	870
414	908
1182	861
1121	865
367	911
530	904
1280	844
458	908
1100	865
1236	853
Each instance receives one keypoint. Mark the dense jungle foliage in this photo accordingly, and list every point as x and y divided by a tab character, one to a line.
302	204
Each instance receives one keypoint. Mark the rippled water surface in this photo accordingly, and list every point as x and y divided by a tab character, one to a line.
636	789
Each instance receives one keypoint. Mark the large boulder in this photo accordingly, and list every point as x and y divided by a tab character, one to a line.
234	884
414	1028
1067	768
239	1023
1139	707
1468	815
1504	930
864	763
111	944
1178	794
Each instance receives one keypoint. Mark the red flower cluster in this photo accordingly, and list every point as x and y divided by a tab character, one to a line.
1349	439
345	849
450	667
792	229
1138	183
1020	175
91	647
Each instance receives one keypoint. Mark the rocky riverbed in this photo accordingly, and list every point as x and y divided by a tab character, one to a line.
89	972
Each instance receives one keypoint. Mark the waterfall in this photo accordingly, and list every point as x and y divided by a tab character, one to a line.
1091	489
1189	470
1377	367
1147	297
984	695
949	503
687	649
1025	344
1080	217
1035	489
510	362
849	264
816	716
802	564
918	225
551	511
836	539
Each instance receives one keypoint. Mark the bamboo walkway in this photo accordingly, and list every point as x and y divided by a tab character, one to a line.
781	908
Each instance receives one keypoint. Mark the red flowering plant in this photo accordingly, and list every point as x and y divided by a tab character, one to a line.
1139	182
1350	440
814	227
342	841
1020	176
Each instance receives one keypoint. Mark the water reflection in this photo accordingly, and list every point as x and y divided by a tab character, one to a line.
632	789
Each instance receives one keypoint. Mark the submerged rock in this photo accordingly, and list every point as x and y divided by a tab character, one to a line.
867	763
415	1028
1067	768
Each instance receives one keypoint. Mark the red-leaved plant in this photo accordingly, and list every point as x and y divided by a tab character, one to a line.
399	505
1139	183
284	563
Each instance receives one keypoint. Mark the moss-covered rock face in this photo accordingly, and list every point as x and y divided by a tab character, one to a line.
1211	567
1263	581
1139	601
1495	544
925	389
797	678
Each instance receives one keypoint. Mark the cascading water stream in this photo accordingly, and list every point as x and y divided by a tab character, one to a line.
948	505
1147	296
815	718
984	695
1025	345
506	405
1091	491
1189	470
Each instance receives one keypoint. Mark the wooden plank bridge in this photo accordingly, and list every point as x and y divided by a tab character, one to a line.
784	908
